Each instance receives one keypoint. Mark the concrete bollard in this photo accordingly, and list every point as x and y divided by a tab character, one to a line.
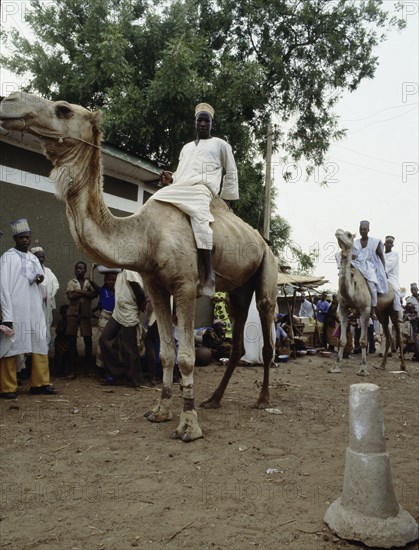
367	510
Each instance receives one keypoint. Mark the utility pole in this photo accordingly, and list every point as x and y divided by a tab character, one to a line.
268	184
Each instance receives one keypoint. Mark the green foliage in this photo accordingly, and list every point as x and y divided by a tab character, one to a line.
146	64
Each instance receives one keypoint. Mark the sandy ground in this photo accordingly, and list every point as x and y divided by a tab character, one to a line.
85	470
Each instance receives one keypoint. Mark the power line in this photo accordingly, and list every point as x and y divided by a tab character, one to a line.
372	169
378	112
368	156
383	120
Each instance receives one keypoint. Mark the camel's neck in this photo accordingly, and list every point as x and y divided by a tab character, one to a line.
346	285
99	234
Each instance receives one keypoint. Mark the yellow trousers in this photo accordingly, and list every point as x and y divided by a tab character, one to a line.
8	377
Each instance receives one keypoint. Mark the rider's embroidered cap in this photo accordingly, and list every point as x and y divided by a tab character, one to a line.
204	108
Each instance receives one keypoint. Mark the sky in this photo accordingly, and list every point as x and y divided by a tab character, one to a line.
372	174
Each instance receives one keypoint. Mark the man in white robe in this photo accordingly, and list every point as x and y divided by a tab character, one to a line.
392	270
49	288
368	258
197	180
21	306
307	308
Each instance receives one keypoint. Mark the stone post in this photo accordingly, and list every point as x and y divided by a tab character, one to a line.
367	510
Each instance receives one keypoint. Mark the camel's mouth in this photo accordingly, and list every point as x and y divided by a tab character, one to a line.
10	121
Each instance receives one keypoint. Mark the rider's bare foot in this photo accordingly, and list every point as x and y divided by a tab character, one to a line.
373	314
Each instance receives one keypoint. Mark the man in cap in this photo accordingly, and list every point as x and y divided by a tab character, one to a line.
197	180
21	306
368	258
392	270
414	298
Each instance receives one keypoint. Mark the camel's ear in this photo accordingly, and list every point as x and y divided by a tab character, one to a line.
96	120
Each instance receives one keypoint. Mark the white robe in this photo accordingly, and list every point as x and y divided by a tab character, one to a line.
49	288
392	270
197	180
253	337
21	304
369	264
307	309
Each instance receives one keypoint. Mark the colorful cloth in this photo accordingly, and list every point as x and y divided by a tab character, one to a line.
221	312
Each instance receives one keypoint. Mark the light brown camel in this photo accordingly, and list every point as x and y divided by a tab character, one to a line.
354	295
157	242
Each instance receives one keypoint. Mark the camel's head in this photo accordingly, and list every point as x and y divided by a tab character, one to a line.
345	240
61	125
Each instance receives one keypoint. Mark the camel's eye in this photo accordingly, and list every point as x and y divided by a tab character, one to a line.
63	111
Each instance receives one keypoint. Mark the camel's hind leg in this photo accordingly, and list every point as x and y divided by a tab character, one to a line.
383	318
160	299
266	293
395	317
239	302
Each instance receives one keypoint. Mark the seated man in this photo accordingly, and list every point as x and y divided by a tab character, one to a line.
282	342
214	339
197	180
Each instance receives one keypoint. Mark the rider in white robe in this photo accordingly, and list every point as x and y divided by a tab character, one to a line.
197	180
367	260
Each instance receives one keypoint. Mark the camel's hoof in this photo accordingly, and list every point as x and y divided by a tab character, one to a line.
261	404
160	413
334	370
362	372
188	428
379	367
210	403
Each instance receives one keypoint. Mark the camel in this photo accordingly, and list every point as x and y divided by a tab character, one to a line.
354	294
157	241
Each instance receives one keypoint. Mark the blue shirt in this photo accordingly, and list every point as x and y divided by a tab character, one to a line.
322	309
106	299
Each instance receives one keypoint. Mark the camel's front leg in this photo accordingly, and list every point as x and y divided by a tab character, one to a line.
363	370
343	317
188	428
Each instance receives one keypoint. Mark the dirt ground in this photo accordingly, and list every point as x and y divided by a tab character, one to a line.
85	470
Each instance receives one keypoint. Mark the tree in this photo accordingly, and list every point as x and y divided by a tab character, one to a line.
146	64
